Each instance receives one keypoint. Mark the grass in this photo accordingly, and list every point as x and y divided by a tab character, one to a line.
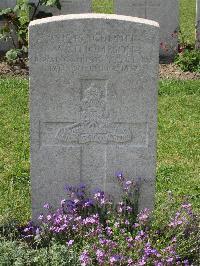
187	16
103	6
178	143
14	149
178	146
187	21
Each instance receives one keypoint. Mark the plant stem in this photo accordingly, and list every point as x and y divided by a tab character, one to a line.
36	8
10	24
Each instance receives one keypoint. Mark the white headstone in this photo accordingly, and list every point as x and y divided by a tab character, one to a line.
198	24
165	12
93	104
6	45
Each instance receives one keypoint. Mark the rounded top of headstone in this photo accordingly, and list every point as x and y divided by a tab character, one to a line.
94	16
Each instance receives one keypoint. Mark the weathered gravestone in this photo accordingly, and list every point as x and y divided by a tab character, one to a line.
198	24
6	45
93	104
68	7
75	6
165	12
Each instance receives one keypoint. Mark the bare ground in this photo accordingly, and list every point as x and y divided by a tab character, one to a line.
172	71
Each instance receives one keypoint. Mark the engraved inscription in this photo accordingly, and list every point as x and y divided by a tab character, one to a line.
95	124
94	132
90	52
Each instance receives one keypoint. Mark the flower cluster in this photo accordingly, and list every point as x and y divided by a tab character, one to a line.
104	233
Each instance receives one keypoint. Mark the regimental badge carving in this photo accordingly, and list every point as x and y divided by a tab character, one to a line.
95	123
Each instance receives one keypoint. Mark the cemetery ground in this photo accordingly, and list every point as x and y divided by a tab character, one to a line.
178	150
178	146
177	158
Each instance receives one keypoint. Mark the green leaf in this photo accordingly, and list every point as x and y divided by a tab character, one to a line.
5	11
5	29
13	54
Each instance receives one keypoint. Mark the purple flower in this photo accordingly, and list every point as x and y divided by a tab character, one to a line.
49	217
115	258
130	262
127	185
27	229
62	203
46	206
142	262
84	258
119	175
186	206
127	222
80	194
70	242
88	203
177	220
100	256
106	234
116	224
170	259
41	216
82	186
143	216
94	219
37	231
129	209
69	188
109	231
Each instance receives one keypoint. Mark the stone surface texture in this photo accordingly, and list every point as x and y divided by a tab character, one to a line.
6	45
198	24
93	104
165	12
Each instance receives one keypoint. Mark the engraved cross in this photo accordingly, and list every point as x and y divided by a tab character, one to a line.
95	134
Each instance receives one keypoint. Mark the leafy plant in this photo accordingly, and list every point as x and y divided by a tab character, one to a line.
15	252
188	59
16	24
90	229
13	55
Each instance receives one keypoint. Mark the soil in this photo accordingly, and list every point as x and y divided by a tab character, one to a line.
172	71
166	71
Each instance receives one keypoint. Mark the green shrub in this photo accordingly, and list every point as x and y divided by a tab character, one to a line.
189	60
19	253
16	24
90	229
